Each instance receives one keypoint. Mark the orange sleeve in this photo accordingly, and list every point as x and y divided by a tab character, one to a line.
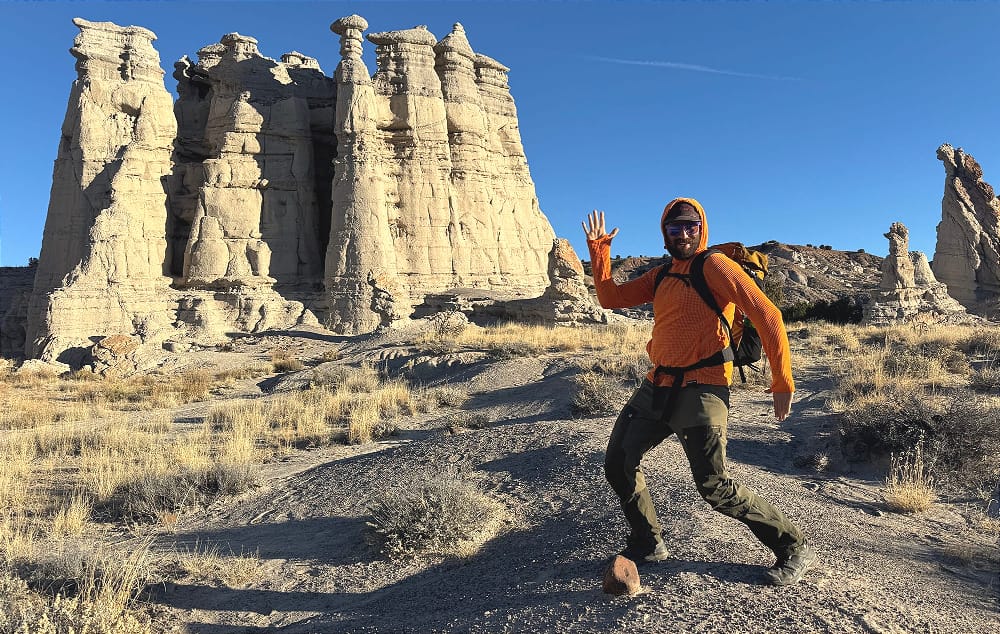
611	295
730	283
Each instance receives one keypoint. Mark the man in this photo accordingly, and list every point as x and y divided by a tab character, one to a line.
685	349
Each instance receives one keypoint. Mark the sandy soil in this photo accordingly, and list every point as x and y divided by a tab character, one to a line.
878	572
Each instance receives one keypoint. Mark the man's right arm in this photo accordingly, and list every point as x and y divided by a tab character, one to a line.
612	295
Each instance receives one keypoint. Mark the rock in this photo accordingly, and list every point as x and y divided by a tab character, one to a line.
567	300
115	356
270	195
897	268
908	289
621	577
967	253
101	269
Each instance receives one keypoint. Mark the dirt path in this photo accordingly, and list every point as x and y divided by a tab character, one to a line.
879	572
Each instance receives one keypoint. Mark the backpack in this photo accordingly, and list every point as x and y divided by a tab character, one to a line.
744	340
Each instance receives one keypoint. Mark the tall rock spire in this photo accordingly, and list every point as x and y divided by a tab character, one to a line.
967	253
101	269
360	277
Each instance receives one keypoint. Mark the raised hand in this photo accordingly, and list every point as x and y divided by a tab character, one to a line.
594	227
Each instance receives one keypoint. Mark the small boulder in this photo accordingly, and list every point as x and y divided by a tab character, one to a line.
621	577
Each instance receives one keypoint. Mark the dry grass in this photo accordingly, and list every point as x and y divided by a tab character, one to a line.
909	487
208	564
72	517
907	385
283	361
508	340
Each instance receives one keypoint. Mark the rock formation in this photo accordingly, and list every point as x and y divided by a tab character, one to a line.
101	269
908	287
967	253
270	194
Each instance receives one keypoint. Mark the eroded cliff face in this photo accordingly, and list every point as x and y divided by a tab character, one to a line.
270	194
102	264
967	253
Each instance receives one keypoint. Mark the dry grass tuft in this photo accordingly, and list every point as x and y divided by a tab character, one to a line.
511	340
909	487
283	361
208	564
72	517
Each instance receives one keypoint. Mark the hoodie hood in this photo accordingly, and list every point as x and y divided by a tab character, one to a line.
703	241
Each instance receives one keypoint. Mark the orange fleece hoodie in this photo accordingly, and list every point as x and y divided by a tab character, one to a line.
685	329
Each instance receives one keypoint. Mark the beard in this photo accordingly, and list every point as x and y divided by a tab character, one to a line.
681	252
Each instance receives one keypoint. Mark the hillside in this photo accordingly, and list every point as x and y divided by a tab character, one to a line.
805	274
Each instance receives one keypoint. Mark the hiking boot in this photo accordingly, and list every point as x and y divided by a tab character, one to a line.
646	554
790	568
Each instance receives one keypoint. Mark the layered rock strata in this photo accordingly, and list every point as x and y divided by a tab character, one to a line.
908	288
967	253
102	262
270	194
431	189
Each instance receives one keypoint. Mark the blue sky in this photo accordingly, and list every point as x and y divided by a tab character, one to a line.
806	123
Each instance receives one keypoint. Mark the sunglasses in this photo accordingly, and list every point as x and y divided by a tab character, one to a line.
675	229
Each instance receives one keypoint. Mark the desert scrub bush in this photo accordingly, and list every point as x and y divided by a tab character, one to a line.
469	420
436	513
283	361
597	394
985	378
959	432
159	497
631	367
909	487
845	310
447	395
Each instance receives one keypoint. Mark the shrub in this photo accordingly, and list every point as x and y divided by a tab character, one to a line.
153	496
284	362
960	432
434	514
471	420
597	394
845	310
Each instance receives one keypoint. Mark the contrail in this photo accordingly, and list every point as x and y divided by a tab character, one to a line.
692	67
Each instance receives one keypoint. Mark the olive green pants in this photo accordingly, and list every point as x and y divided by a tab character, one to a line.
699	418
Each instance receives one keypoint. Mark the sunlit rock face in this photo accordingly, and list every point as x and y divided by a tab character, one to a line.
967	254
102	264
908	289
270	195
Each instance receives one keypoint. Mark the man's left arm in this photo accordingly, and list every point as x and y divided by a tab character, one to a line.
731	284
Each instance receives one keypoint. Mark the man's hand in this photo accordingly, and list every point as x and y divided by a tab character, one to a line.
782	404
594	227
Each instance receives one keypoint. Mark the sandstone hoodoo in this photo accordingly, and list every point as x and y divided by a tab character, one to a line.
270	195
908	288
967	253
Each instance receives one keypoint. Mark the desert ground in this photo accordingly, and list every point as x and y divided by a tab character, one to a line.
298	549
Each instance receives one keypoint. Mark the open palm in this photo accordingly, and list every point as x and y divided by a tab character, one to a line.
595	227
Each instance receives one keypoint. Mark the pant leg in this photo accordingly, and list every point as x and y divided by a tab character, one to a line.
700	421
638	429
